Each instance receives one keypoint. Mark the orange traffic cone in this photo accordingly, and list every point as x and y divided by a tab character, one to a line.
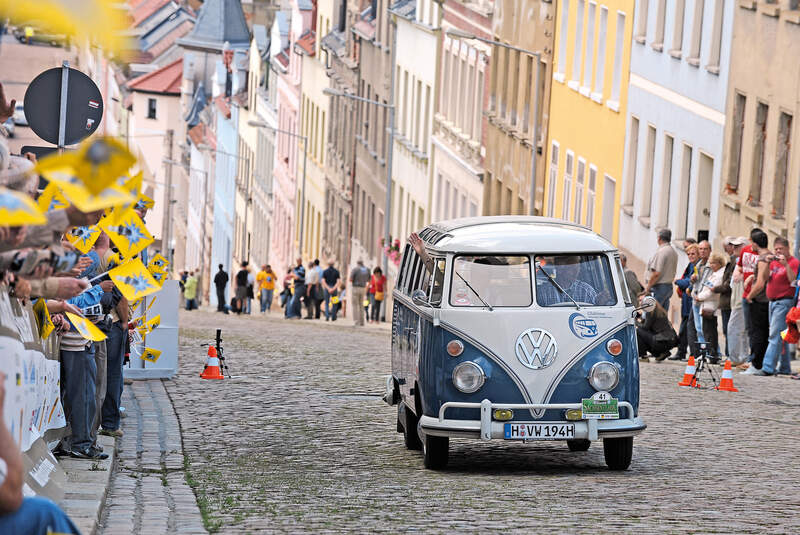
211	371
726	383
688	375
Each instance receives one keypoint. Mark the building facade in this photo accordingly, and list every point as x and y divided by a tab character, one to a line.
459	125
416	73
588	109
679	73
760	171
526	24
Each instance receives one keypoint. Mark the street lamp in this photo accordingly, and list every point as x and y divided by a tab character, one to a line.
387	220
262	124
461	34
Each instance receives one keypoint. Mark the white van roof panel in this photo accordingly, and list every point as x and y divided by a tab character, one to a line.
512	234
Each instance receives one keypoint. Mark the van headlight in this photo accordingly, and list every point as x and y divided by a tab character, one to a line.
468	377
604	376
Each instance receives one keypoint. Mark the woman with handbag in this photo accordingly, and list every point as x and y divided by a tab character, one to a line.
708	301
377	286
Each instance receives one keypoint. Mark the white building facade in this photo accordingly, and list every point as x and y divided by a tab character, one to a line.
676	121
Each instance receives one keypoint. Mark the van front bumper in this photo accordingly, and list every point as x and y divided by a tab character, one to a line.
487	429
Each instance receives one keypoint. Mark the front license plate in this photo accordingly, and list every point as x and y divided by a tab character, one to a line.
524	431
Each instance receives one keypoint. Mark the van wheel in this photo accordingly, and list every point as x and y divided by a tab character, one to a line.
410	436
618	452
437	452
580	444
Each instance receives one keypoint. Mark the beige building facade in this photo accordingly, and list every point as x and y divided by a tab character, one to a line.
760	170
526	24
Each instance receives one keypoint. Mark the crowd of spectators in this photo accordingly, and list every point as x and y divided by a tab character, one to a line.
745	291
39	262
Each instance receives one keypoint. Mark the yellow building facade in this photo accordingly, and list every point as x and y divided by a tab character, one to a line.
586	136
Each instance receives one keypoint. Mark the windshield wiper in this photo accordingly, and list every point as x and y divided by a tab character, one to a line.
557	285
473	291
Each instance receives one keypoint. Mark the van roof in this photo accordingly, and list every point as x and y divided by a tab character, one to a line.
512	234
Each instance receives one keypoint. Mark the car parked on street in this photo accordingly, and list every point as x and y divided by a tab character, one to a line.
514	328
34	32
19	115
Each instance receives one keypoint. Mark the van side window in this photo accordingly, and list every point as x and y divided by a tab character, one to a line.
438	281
403	272
411	269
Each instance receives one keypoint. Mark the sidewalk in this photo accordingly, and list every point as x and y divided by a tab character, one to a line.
87	485
277	314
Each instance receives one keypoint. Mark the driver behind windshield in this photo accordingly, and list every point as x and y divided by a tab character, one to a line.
565	270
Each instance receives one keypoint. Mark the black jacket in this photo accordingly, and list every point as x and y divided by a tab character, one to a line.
220	279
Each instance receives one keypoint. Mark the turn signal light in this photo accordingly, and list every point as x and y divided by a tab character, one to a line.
614	347
455	348
573	414
503	414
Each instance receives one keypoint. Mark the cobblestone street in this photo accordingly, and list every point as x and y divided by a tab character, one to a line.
299	440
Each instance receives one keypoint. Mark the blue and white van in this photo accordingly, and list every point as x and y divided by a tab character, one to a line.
514	328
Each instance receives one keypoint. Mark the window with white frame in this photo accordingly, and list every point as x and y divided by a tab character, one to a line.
553	178
567	184
716	38
562	38
697	33
641	21
618	52
579	182
599	78
677	27
649	172
588	63
661	15
578	52
590	196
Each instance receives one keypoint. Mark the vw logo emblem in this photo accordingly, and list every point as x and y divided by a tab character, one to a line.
536	349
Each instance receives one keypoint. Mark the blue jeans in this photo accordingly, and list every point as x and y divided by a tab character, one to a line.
326	295
79	373
266	300
37	516
775	347
662	292
698	321
115	350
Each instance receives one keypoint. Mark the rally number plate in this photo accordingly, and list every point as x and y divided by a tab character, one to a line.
544	431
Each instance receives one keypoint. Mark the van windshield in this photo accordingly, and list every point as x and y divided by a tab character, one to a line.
586	279
500	281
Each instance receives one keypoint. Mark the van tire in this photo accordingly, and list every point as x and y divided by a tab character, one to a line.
436	451
580	444
618	452
410	436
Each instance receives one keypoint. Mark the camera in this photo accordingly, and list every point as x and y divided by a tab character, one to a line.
25	262
703	351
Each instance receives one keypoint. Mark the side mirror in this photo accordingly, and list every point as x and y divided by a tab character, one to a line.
419	298
648	305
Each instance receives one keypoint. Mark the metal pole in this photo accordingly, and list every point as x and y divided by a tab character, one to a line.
303	199
535	141
167	234
62	112
387	223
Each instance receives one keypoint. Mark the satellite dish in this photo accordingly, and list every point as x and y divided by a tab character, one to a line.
84	108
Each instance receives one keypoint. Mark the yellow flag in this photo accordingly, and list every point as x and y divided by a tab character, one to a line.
159	261
158	274
135	304
133	280
150	354
98	163
17	209
83	238
153	323
52	199
144	202
77	193
134	184
43	321
114	260
129	235
86	328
